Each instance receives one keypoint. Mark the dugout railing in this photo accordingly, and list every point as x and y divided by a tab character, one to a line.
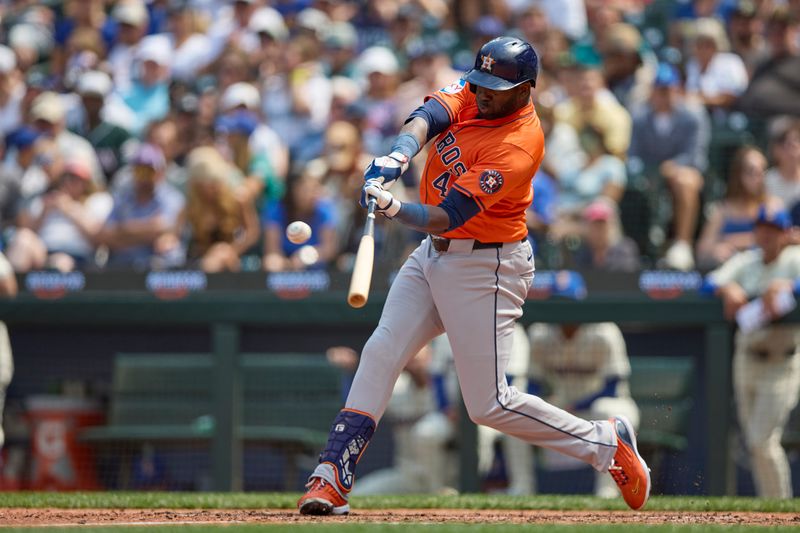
225	314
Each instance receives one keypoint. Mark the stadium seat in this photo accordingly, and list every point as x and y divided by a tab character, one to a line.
646	212
288	402
158	397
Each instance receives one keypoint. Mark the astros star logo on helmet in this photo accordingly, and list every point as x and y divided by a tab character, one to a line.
487	62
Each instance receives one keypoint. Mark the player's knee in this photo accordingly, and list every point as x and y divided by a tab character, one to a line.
766	450
489	415
378	347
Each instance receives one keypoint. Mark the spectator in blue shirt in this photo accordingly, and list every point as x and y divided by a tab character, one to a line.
304	202
669	144
148	95
141	229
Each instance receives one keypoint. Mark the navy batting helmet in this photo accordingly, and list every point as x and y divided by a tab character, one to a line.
503	63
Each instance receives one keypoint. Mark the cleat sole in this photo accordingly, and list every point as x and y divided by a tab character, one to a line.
319	507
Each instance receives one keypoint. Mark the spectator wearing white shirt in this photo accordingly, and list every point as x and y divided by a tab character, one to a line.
62	223
569	16
133	19
783	180
714	76
48	117
192	49
12	90
230	28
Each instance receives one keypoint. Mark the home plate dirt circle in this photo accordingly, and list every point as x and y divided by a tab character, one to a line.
81	517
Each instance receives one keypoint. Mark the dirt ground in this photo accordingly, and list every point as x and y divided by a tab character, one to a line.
53	517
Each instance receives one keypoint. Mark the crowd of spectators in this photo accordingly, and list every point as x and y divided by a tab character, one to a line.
153	134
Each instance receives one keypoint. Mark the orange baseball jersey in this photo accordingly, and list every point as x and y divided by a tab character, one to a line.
491	161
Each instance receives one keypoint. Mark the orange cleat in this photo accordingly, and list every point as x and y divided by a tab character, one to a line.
628	468
322	499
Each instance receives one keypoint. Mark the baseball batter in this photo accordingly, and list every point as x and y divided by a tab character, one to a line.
766	361
469	277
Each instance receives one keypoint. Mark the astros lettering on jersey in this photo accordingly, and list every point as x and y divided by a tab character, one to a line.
491	164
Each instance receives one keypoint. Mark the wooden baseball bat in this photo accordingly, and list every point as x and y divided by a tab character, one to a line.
362	269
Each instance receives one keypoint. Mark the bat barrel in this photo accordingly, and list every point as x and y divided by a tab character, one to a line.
362	269
357	301
362	273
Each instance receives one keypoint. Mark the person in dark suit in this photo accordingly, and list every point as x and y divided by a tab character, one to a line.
671	139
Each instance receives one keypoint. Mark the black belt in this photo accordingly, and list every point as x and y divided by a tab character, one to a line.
442	244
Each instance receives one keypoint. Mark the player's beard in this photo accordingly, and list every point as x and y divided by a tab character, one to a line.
503	110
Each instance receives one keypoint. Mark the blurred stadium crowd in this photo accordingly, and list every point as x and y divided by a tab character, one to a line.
187	133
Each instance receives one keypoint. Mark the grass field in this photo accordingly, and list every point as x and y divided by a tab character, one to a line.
243	513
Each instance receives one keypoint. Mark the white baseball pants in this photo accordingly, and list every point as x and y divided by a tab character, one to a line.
766	388
476	297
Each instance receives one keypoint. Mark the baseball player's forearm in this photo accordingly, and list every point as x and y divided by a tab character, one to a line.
425	218
412	136
452	213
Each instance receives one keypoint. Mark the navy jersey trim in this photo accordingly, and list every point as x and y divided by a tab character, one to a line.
435	115
446	107
459	208
462	190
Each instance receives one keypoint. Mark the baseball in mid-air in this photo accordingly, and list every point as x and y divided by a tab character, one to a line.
308	255
298	232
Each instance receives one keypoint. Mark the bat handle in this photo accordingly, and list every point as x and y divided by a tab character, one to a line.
369	226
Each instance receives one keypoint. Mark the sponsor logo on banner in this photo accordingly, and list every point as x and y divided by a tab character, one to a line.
52	285
175	284
298	285
668	284
564	283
